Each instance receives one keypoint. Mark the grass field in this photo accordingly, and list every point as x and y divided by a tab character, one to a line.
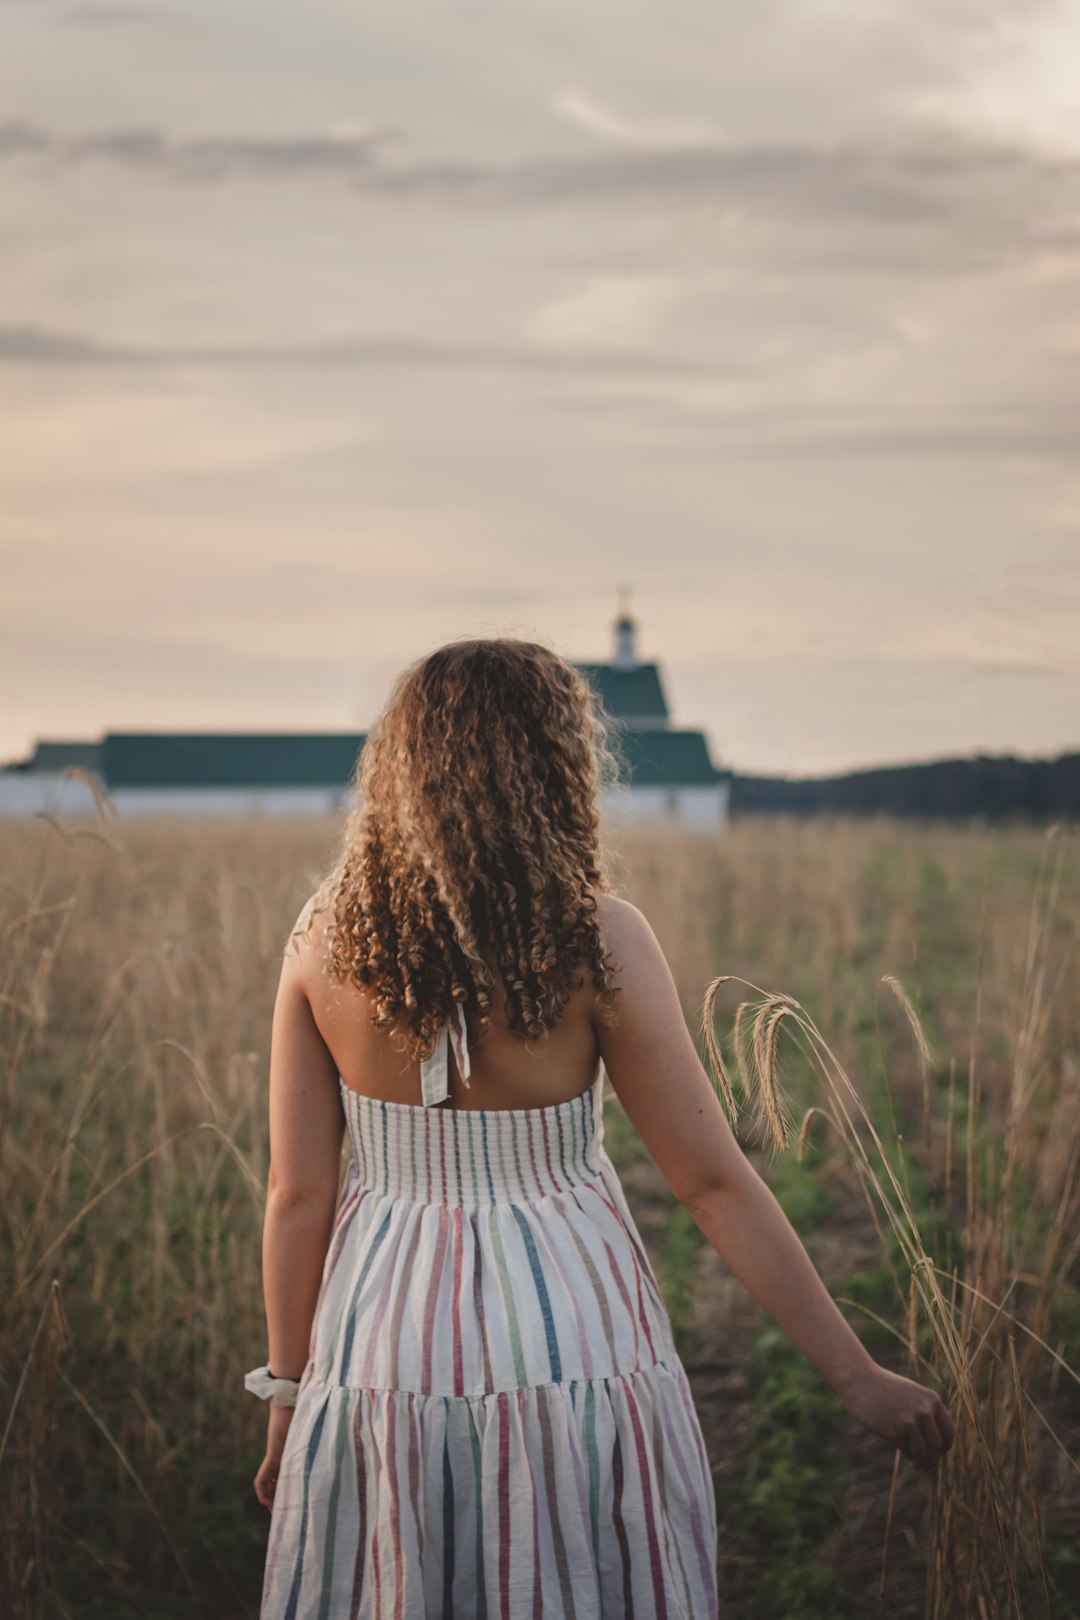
137	973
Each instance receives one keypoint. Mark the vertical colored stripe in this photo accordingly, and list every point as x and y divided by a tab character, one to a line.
478	1299
624	1294
617	1475
395	1504
695	1493
584	1347
512	1323
573	1137
301	1534
521	1179
562	1150
459	1372
373	1330
500	1143
393	1338
614	1196
538	1575
414	1476
350	1325
594	1470
547	1155
650	1511
478	1497
440	1115
327	1582
428	1331
541	1294
377	1521
599	1291
360	1561
670	1542
470	1126
385	1151
448	1519
487	1156
455	1117
562	1564
504	1507
579	1476
342	1223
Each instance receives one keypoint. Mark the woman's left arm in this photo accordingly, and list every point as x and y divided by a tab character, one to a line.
306	1131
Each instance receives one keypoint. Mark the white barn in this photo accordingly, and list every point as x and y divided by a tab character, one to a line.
667	774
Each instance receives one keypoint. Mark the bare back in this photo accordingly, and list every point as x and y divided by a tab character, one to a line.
506	1071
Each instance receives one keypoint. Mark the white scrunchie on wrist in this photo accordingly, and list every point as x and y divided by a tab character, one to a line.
278	1391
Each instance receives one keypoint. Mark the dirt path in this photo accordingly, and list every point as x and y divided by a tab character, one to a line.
726	1320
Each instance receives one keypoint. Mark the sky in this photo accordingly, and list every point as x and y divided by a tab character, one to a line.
329	332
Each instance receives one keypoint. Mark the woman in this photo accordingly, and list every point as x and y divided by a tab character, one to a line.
476	1403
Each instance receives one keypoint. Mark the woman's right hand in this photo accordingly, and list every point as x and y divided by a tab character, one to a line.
914	1418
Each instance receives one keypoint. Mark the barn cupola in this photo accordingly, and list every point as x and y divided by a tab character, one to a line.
625	635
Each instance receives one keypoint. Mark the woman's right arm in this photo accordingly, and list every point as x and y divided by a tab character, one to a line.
655	1070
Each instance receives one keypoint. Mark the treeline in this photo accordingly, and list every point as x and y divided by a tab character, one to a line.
992	787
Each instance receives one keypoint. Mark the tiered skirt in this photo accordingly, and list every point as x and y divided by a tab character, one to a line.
494	1420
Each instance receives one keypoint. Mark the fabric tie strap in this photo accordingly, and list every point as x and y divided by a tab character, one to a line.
435	1070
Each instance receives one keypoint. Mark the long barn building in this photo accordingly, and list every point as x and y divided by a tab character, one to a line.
667	773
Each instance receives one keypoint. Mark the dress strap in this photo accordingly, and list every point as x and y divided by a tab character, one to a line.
435	1070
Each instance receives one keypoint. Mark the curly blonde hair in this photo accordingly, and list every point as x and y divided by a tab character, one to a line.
472	859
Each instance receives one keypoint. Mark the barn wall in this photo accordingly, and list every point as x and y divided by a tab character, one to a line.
278	801
24	792
701	809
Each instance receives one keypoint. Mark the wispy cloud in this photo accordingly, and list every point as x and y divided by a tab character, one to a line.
922	176
620	312
205	158
585	111
38	346
928	201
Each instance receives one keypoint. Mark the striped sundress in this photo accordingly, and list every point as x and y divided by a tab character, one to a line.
494	1423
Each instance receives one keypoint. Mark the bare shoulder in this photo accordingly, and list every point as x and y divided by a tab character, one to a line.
615	913
307	936
626	933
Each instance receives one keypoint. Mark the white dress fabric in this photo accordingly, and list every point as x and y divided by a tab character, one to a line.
494	1420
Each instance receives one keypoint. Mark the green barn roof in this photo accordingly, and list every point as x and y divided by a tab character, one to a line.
666	758
229	759
140	759
628	694
54	756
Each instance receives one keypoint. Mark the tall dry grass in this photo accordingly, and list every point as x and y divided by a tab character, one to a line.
975	1321
138	963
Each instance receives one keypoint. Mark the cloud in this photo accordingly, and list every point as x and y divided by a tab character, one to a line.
348	152
18	139
621	312
29	345
1016	81
580	108
919	429
921	177
925	201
